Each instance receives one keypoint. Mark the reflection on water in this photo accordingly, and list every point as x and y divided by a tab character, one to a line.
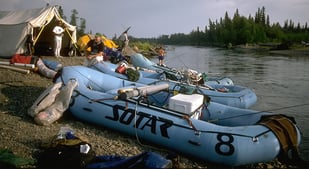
280	82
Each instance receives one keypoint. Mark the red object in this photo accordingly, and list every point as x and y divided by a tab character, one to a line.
17	58
121	69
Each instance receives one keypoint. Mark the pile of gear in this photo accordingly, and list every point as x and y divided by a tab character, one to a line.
71	150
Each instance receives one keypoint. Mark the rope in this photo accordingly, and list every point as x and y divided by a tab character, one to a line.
190	123
137	137
135	128
270	110
287	107
73	42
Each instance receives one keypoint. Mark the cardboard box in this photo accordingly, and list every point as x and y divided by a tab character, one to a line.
186	103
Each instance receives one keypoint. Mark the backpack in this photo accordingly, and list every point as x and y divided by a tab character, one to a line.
133	75
66	153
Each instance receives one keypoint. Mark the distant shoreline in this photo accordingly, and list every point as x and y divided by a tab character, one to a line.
293	51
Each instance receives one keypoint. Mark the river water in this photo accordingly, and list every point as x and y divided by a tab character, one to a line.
281	82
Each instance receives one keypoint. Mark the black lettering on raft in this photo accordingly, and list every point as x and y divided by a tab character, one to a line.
126	117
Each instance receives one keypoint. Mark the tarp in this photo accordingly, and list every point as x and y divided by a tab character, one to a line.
83	40
17	27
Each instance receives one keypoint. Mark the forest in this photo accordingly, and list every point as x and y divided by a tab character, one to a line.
239	30
227	31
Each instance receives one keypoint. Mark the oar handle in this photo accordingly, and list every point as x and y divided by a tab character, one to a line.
124	94
128	94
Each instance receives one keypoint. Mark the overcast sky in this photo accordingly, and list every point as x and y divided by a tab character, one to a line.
152	18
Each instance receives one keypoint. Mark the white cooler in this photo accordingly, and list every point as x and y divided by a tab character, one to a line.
187	104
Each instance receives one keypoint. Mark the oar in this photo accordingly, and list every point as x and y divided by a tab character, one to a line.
125	94
179	74
124	32
15	69
18	64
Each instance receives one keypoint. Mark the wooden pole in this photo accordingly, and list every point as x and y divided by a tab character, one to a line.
18	64
73	42
20	70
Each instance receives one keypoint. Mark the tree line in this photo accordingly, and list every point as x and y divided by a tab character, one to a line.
228	30
239	30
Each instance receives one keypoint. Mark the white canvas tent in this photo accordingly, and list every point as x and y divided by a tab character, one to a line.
17	27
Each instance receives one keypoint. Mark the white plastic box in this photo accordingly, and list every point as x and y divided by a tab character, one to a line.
186	103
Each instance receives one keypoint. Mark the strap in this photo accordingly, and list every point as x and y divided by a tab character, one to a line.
285	130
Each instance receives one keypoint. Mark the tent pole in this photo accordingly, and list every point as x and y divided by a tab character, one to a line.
36	39
74	43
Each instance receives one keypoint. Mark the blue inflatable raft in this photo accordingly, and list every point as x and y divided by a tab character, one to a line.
184	123
232	95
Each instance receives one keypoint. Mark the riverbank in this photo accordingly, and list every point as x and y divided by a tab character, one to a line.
292	52
296	50
20	134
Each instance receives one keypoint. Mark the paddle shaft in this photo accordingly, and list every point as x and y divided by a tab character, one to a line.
141	91
15	69
18	64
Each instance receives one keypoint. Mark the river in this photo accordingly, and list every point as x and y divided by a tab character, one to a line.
280	82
